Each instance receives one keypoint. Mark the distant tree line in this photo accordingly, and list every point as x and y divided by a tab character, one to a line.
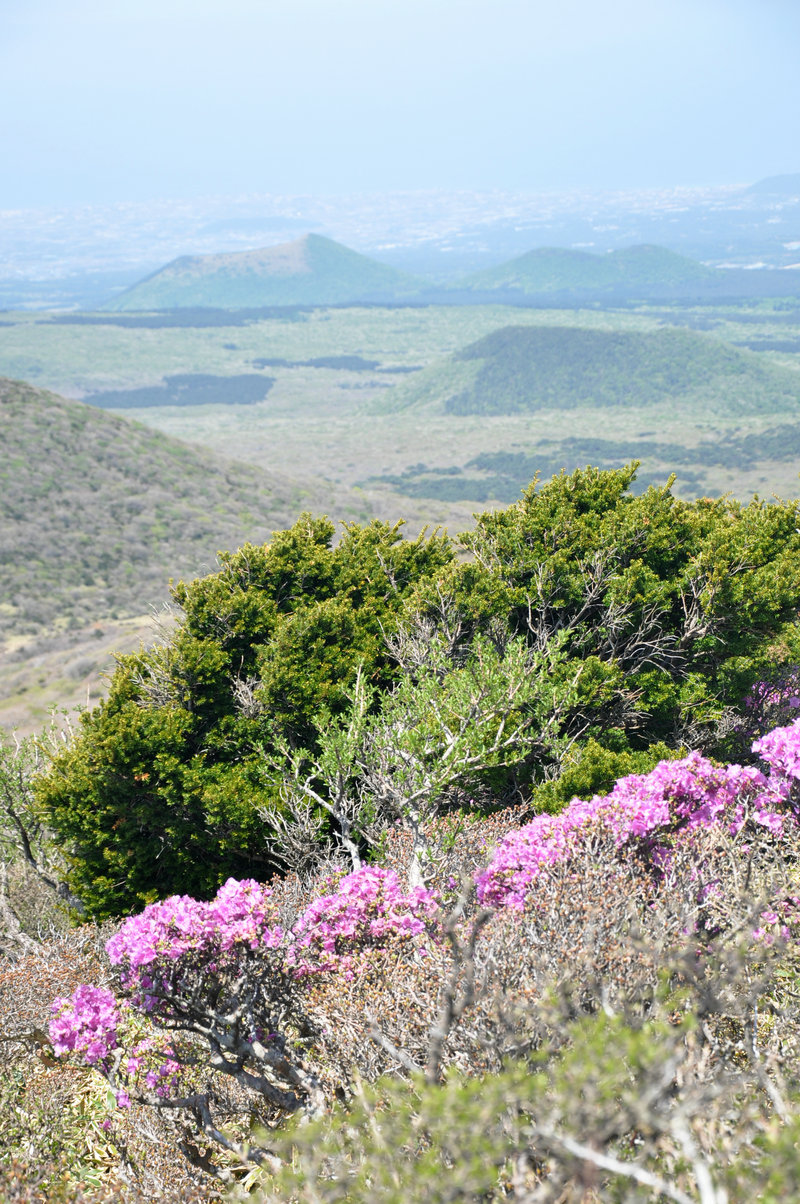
188	389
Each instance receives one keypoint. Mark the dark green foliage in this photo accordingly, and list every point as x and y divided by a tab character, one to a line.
144	812
593	768
670	608
531	368
664	612
159	793
189	389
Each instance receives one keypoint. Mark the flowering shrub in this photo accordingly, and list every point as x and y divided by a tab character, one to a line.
651	809
87	1023
232	987
780	748
368	907
780	922
159	948
773	703
225	974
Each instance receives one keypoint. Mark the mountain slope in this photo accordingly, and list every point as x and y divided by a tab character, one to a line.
558	270
776	186
309	271
97	513
525	368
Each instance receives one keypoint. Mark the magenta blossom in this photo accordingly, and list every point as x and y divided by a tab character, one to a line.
87	1023
169	938
675	796
367	907
780	748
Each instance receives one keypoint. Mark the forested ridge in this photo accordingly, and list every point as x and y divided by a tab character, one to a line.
528	369
446	868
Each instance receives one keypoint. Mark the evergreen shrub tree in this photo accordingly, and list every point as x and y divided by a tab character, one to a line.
663	614
161	790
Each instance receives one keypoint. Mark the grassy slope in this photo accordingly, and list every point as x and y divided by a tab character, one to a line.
96	513
68	670
556	269
525	369
312	271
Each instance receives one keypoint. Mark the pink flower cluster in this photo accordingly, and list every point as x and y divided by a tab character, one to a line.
155	946
770	703
87	1023
169	949
675	796
366	908
777	922
780	749
784	693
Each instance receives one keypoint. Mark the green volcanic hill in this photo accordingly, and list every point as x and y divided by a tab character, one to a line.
309	271
97	512
525	368
558	270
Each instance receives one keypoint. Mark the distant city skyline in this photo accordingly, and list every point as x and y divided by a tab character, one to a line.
183	98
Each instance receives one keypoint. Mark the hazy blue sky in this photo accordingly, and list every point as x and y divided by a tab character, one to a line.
106	100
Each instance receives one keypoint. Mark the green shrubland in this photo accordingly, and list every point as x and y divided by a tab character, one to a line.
539	368
644	620
96	512
626	1030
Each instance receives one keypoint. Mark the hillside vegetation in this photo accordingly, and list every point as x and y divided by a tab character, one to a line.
360	425
557	269
96	513
533	801
638	629
309	271
315	270
524	369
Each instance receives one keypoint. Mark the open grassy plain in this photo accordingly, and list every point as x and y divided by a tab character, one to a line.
351	431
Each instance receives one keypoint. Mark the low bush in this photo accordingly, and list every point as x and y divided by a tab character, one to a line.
624	1002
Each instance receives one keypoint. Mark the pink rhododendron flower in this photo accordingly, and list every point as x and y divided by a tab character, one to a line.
367	907
780	748
87	1023
168	938
675	796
